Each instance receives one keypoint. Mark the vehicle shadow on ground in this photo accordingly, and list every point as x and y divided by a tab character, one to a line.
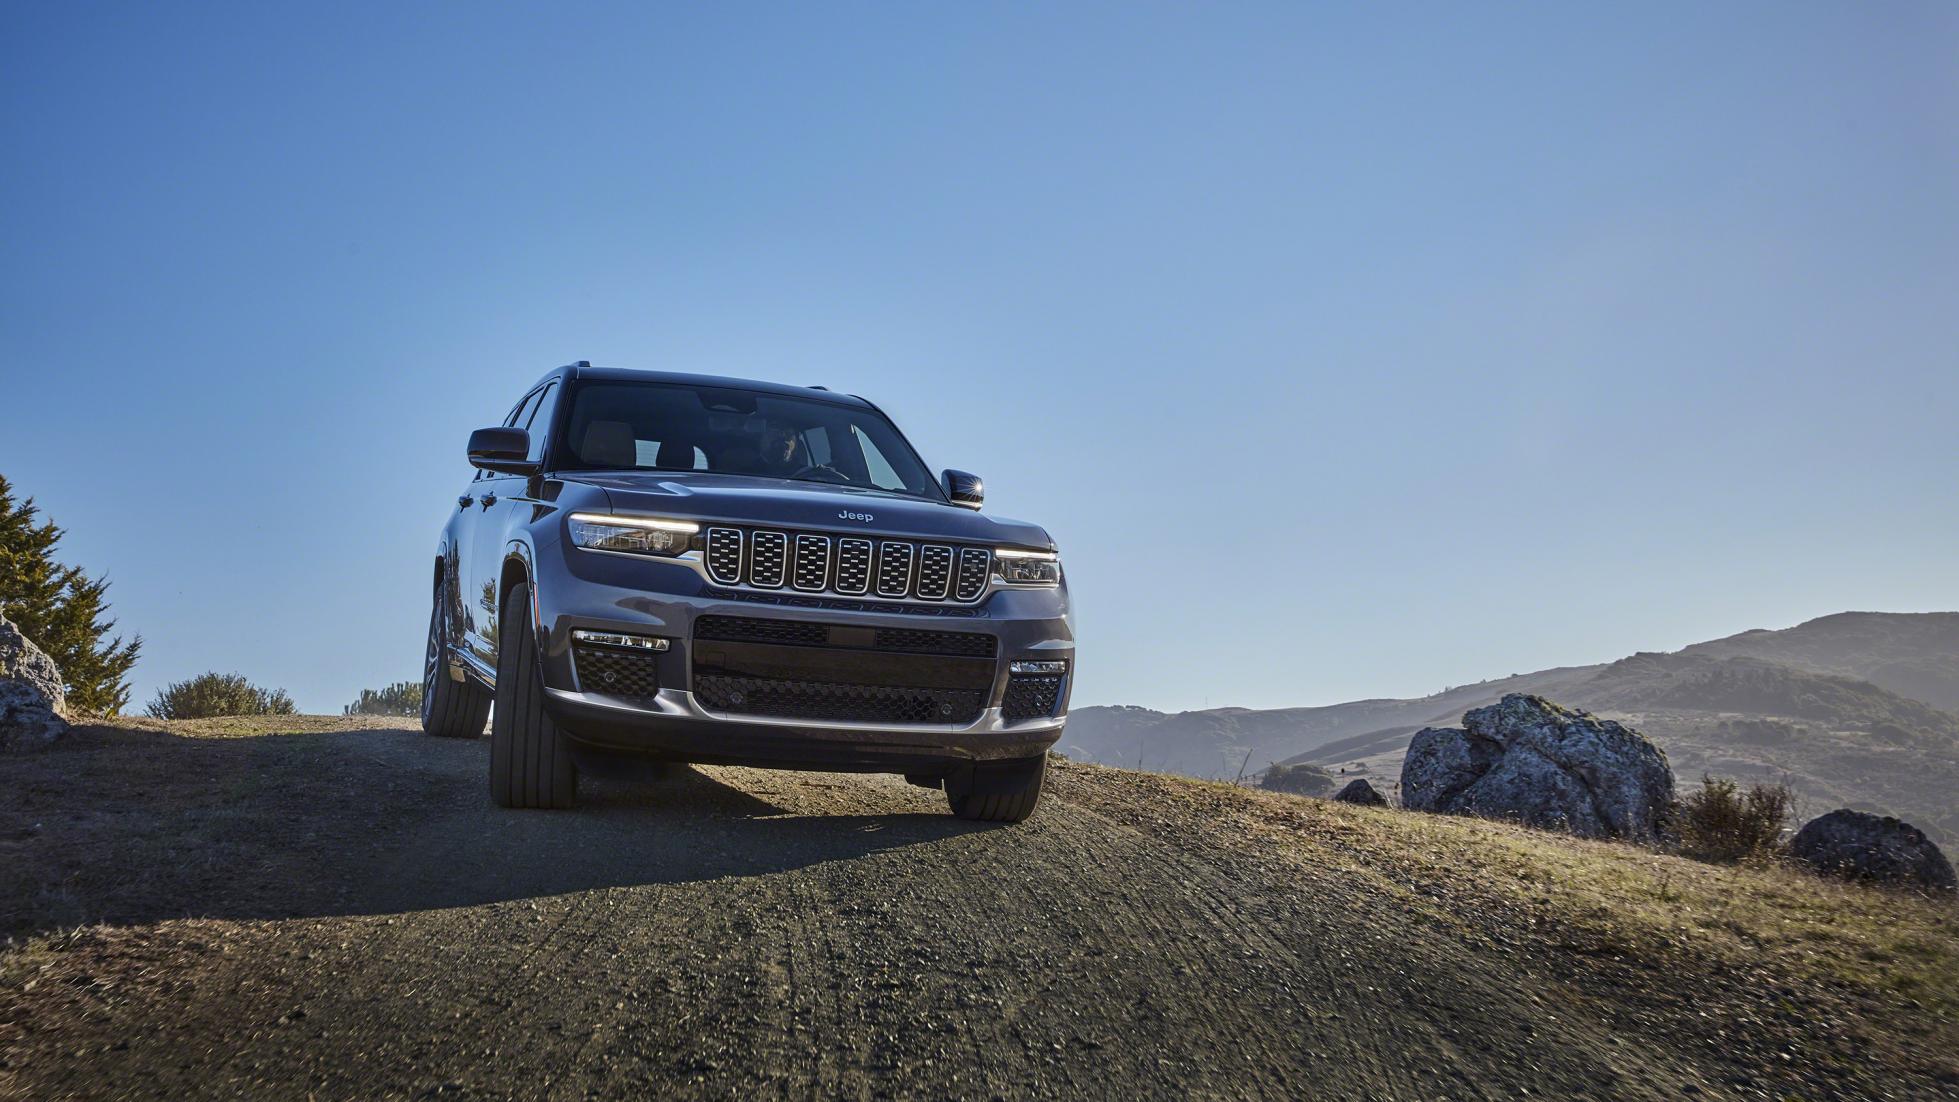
134	826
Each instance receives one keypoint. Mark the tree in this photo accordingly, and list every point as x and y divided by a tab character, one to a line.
403	698
219	694
62	610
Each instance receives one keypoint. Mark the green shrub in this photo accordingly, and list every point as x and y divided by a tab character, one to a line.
403	698
62	610
219	694
1724	822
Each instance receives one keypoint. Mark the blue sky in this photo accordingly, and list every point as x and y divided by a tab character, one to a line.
1346	351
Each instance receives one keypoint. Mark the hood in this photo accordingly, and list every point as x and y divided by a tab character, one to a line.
743	499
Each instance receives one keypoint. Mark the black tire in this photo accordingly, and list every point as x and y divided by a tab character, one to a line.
530	757
997	792
450	708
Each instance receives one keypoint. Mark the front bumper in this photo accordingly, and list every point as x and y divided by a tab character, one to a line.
674	725
604	592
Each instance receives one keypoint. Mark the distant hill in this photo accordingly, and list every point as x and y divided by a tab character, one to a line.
1851	710
1214	742
1915	656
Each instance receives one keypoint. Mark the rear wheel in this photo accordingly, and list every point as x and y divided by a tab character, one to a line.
997	791
530	757
450	708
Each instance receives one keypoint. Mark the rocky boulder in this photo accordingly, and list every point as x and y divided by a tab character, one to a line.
1360	792
1534	762
1860	846
33	708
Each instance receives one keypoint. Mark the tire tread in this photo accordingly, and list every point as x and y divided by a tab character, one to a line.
530	758
457	709
1009	802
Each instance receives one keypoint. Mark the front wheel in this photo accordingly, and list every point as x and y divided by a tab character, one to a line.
530	757
997	791
450	708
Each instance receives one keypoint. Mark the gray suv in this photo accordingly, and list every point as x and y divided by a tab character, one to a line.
698	569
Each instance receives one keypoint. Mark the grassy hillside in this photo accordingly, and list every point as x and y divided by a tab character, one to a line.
1776	945
1629	900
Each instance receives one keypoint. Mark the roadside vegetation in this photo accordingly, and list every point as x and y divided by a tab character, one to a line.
1724	822
1613	906
403	698
219	694
62	609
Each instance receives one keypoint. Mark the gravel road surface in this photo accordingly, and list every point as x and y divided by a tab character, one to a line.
732	933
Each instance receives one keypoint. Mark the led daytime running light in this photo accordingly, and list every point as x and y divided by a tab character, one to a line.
655	523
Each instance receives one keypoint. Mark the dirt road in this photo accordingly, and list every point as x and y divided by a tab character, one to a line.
733	933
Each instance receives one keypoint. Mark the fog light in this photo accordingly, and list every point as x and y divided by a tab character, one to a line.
620	639
1025	666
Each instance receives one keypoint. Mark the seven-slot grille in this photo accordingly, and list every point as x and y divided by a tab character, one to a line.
847	565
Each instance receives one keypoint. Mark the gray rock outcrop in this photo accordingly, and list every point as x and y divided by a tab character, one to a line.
1534	762
1857	845
1358	791
33	708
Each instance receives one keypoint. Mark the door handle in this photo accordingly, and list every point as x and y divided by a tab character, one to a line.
489	500
465	501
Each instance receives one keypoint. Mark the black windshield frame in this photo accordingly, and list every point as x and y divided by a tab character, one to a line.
906	466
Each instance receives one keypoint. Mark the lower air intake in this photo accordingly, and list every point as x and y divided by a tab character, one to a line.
764	696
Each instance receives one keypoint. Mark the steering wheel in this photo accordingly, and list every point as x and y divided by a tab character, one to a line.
821	472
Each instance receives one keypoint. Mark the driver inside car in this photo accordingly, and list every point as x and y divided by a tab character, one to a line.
782	451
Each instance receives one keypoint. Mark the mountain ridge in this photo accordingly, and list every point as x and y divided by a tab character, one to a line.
1851	709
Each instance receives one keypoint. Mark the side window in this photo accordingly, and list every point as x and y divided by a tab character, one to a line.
538	419
879	468
818	439
520	411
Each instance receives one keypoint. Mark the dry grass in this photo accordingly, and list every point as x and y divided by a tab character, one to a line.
1606	900
1659	907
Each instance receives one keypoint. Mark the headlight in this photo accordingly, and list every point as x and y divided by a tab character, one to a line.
634	535
1017	567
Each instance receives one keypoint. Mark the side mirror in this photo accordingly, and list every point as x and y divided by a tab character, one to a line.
505	450
962	488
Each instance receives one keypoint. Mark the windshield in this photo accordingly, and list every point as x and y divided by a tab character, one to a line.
617	426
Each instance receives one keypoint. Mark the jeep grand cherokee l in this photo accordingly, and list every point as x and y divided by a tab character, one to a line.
712	570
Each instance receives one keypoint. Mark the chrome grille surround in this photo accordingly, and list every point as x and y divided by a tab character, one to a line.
974	565
841	565
723	558
854	566
768	559
894	568
934	571
812	570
